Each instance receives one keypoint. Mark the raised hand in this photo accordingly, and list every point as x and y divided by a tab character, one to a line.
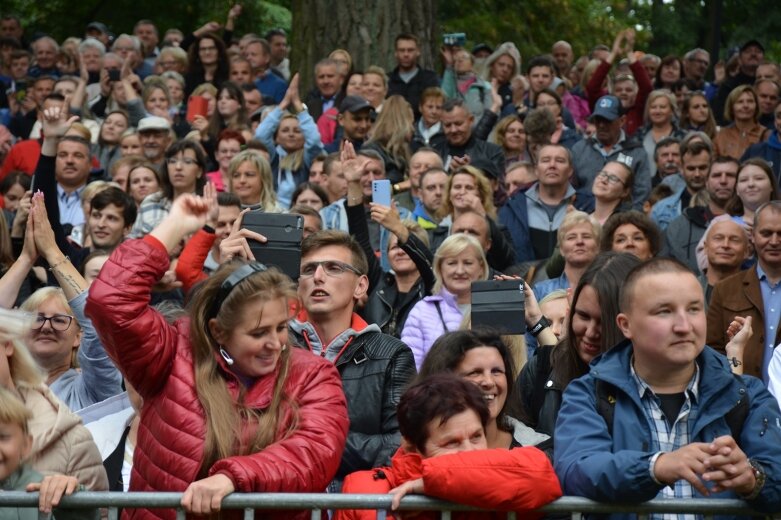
56	121
235	244
235	11
45	243
210	195
352	164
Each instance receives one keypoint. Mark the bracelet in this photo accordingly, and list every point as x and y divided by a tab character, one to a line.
208	229
542	324
735	362
55	266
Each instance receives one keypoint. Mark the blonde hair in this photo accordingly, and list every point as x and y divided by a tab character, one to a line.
732	98
484	191
293	160
660	93
452	246
205	88
575	218
14	327
393	127
225	417
13	411
268	197
377	71
44	294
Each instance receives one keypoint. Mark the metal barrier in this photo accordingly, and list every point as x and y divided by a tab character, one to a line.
316	502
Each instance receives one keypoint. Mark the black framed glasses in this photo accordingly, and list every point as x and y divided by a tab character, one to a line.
60	322
330	267
611	179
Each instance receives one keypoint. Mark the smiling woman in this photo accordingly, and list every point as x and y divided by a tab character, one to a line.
225	368
482	358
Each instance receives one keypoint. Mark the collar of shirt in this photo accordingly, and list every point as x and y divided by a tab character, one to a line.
66	196
616	147
692	389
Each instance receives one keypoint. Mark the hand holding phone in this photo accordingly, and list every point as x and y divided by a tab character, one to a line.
381	192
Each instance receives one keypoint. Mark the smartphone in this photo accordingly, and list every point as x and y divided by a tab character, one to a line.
20	90
454	39
284	233
381	192
113	74
196	106
499	304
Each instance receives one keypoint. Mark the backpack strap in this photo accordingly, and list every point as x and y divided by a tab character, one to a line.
606	402
736	417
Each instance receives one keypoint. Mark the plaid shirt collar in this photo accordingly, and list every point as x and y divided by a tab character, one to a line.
692	389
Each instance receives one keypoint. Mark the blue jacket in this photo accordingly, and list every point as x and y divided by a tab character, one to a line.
514	215
667	209
592	464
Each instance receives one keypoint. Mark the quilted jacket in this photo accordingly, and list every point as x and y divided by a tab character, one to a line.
157	359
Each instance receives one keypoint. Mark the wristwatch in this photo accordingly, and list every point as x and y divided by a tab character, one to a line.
759	476
543	323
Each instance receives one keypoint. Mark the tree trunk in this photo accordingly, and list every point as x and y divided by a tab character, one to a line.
365	28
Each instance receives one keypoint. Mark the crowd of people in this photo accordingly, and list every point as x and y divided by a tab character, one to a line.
637	198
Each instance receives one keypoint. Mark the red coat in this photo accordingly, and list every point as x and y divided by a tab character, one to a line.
521	479
156	358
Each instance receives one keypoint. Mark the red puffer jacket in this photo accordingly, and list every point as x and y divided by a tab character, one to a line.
521	479
156	358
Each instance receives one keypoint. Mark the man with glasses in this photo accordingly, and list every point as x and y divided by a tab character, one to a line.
696	163
695	66
375	367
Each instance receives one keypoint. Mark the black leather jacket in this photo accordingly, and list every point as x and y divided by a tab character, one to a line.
382	306
375	369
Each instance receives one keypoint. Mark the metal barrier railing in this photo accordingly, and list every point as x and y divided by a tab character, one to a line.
317	502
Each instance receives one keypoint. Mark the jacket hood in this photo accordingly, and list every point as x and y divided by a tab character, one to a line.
49	411
307	335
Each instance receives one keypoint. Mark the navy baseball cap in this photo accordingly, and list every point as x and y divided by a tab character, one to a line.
607	107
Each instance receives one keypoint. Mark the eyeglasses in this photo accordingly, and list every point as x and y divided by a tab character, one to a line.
187	161
611	179
330	267
59	322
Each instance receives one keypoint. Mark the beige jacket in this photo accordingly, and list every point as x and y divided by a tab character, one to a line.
61	443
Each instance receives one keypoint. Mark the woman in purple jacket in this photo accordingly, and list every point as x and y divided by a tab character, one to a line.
459	261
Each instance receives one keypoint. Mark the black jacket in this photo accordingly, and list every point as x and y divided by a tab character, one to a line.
314	103
478	151
382	308
540	395
413	90
375	370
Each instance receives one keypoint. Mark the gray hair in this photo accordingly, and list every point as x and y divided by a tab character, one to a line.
133	39
92	43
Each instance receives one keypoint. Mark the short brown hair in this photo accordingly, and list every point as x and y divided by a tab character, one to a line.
334	237
658	265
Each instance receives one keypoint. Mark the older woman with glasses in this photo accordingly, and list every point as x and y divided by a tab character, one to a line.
62	341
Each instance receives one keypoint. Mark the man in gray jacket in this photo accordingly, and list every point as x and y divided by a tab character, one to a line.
611	144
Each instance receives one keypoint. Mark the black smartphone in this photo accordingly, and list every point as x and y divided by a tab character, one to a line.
284	233
113	74
499	304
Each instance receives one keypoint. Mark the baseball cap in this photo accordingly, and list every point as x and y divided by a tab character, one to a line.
353	104
750	43
607	107
98	26
153	123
